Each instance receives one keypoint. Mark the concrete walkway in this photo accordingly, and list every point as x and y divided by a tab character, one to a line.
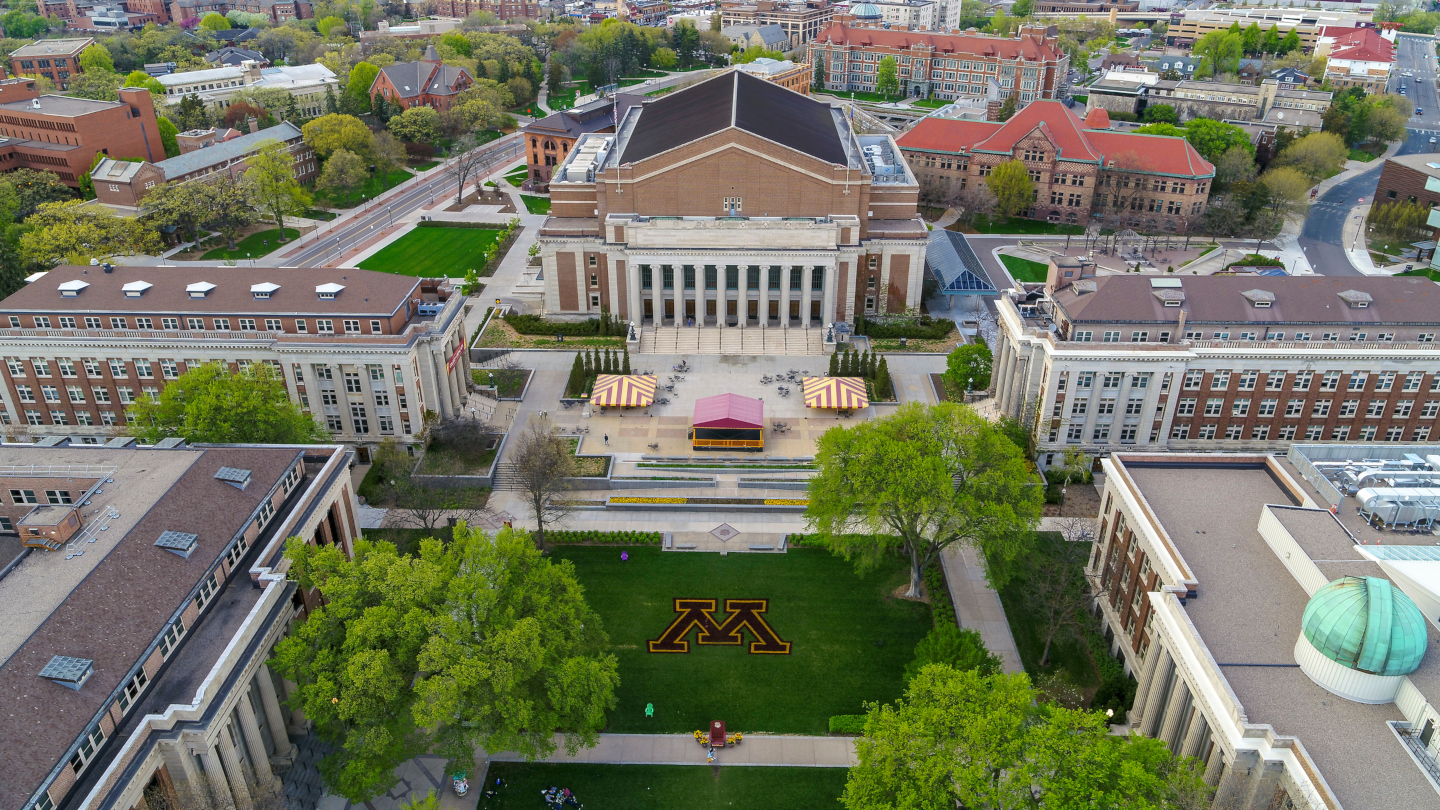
681	749
978	605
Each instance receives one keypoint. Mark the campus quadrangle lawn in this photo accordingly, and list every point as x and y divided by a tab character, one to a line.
434	252
665	787
849	638
1024	269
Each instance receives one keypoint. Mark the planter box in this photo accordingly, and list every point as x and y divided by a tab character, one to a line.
461	481
799	484
644	483
691	505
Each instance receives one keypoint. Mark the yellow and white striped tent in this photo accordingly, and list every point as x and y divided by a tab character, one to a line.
624	390
835	393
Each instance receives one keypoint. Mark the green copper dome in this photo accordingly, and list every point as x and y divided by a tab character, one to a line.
1365	623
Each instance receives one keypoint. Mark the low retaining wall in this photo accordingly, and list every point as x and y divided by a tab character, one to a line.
462	481
704	507
800	484
650	483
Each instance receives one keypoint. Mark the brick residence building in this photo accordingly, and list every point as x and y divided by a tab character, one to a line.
206	155
503	9
427	83
55	59
1082	170
550	139
62	134
1410	178
945	66
277	10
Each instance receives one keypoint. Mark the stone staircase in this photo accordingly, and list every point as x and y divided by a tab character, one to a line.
732	340
507	477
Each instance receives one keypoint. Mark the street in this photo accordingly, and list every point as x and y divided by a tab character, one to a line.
1322	235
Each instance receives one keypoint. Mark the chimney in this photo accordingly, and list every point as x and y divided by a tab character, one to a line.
1180	329
252	124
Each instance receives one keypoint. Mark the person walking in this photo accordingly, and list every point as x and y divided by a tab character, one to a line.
607	439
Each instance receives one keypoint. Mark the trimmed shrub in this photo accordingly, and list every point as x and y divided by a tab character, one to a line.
847	724
923	328
941	608
593	537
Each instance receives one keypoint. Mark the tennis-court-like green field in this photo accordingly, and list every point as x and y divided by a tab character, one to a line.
434	252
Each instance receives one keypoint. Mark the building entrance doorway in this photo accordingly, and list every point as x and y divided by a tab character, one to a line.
731	316
815	312
774	313
689	312
752	311
669	309
649	310
795	311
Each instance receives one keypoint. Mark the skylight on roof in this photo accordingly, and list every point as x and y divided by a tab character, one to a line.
72	288
71	673
181	543
1157	283
235	477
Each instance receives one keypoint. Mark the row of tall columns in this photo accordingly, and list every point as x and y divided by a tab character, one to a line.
239	786
1160	687
1249	783
250	727
215	775
1003	379
1146	676
1177	711
270	702
658	293
224	772
1196	736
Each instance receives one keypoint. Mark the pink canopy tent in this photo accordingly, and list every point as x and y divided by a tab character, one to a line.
729	411
729	422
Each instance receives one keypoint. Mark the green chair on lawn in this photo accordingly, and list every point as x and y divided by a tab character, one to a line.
649	709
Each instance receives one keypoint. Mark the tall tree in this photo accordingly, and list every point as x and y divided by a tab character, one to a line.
214	22
1009	106
168	141
887	77
1213	138
1054	582
96	59
74	233
357	86
922	480
817	79
555	79
467	161
1010	181
229	210
416	125
213	404
389	156
344	172
272	185
330	132
186	206
544	464
968	367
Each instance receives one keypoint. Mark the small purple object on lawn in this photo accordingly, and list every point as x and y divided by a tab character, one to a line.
624	555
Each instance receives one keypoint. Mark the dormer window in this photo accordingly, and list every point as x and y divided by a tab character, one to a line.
327	292
71	289
199	289
1260	299
262	292
135	289
1356	299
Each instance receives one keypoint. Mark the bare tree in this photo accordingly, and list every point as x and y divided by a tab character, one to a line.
972	200
544	465
1056	584
432	508
468	160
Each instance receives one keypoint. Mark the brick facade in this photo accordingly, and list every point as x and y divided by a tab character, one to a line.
278	10
64	134
1415	182
503	9
55	59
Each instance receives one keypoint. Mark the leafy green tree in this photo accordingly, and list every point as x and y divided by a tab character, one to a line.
1252	39
1271	42
953	646
230	210
685	39
555	78
213	404
481	642
139	78
754	52
186	206
960	738
1008	107
100	86
96	59
331	132
1022	8
968	367
887	77
190	113
1161	128
921	480
214	22
1213	138
1163	113
1318	155
1013	190
271	183
664	59
416	125
457	40
327	25
32	189
817	80
389	156
357	87
24	25
1290	42
344	172
74	233
1219	52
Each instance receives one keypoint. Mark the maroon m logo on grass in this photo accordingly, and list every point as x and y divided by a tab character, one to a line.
741	614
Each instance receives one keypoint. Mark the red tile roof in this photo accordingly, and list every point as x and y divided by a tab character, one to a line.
1061	125
1030	48
1363	45
946	135
1121	150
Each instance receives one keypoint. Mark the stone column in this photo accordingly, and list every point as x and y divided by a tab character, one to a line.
1175	713
259	760
657	293
270	702
1215	764
1234	785
1199	730
215	775
762	308
632	290
785	273
1147	675
235	769
182	768
827	294
677	272
1150	718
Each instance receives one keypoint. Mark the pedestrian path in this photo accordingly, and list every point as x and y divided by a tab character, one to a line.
977	605
681	749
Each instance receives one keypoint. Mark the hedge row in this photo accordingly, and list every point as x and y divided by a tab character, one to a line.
941	607
600	538
847	724
529	324
926	328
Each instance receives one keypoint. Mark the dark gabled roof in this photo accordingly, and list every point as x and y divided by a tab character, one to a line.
741	101
592	117
413	78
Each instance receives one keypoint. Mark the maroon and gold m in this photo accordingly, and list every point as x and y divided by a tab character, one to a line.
741	614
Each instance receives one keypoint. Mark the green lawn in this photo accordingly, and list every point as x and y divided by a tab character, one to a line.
433	252
1024	269
1361	155
665	787
316	213
1427	272
517	176
373	187
932	103
536	205
850	639
425	165
858	95
985	224
255	245
563	100
1068	653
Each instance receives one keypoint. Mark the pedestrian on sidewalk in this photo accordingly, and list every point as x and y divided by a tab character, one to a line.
607	438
